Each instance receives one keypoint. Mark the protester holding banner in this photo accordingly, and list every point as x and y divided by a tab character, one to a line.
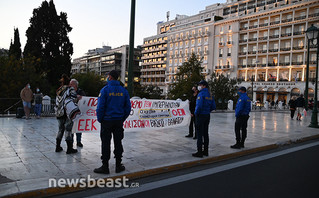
75	84
113	108
65	123
205	103
192	105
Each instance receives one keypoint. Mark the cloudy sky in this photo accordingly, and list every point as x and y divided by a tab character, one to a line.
97	22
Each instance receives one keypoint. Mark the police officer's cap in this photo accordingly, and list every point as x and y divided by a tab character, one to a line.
242	89
203	82
114	74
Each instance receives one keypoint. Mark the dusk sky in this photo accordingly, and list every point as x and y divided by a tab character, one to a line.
96	22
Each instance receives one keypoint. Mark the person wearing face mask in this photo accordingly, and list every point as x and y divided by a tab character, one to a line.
243	107
38	96
26	96
192	105
205	103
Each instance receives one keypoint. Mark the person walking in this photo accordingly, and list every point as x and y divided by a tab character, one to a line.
300	104
192	105
26	96
243	108
75	84
113	108
205	103
38	96
292	106
65	123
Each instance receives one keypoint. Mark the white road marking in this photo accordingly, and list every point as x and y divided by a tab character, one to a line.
198	174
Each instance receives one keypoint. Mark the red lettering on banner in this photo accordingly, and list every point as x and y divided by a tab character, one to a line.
136	104
178	112
148	104
86	124
93	127
92	102
79	126
174	112
136	124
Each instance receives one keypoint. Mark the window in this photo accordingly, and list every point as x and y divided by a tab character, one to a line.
275	45
205	49
264	60
176	45
170	61
287	59
245	37
264	47
220	62
221	40
313	57
229	50
206	40
287	44
229	38
300	43
220	52
221	29
193	42
186	51
244	61
301	28
276	32
299	58
229	27
254	48
198	49
265	34
253	61
193	32
255	35
171	45
206	29
186	43
245	49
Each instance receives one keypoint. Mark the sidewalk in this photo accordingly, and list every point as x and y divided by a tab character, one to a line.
28	159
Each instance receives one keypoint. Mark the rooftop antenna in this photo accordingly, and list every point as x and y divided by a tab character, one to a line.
167	15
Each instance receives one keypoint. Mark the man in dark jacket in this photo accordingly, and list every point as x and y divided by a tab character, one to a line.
300	104
75	84
243	107
192	105
205	103
113	107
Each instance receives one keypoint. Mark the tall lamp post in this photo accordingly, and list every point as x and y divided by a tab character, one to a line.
312	35
131	51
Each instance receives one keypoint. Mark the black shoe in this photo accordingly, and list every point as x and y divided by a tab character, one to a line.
79	144
119	168
242	145
102	170
58	149
195	138
205	153
235	146
70	149
198	154
189	136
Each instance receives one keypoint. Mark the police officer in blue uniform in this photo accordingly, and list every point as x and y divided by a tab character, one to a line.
205	103
113	108
243	107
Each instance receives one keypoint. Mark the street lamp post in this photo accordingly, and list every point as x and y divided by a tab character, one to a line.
131	51
307	76
312	35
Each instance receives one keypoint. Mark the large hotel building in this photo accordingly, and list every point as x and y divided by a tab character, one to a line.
261	42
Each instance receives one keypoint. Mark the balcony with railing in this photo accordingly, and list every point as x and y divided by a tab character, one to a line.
272	64
273	50
263	38
273	36
263	24
252	39
313	15
221	43
300	18
243	28
218	67
253	26
285	49
297	63
262	51
284	63
252	52
229	42
286	20
242	40
228	54
242	53
299	33
285	34
312	62
298	48
227	66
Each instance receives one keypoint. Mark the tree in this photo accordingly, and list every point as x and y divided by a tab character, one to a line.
90	83
149	92
223	89
15	47
190	73
48	41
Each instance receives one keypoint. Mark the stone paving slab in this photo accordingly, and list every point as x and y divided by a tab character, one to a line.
28	159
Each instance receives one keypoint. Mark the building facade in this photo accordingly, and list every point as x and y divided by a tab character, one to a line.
103	60
260	42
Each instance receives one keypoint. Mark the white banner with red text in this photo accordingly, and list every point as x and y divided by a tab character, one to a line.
145	115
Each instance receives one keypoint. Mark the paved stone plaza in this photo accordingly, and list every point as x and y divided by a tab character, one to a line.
28	159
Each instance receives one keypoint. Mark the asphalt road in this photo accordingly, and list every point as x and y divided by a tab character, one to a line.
292	175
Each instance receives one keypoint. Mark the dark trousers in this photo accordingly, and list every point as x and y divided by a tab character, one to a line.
292	113
108	128
202	123
191	126
78	137
241	124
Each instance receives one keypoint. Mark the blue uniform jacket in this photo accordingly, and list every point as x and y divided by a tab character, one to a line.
243	106
113	102
205	102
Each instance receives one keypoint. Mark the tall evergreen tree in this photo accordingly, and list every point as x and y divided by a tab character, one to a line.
48	41
190	73
15	47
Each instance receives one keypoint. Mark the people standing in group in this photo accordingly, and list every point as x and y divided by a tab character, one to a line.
38	96
243	108
300	104
205	103
292	105
65	123
113	108
192	106
75	84
26	96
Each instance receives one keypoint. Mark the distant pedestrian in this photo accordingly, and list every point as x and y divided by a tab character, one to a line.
38	96
75	84
205	103
26	96
242	111
292	106
113	108
64	93
192	105
300	104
